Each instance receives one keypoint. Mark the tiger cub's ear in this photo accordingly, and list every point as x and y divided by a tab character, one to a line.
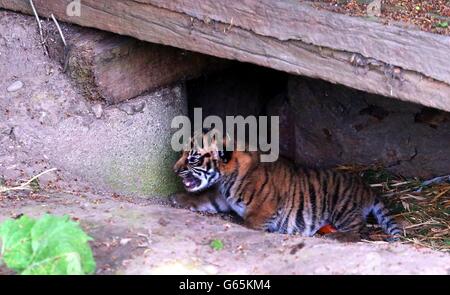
225	156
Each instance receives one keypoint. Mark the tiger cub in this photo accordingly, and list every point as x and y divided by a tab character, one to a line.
279	196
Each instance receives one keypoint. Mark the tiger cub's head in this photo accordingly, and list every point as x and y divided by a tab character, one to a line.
202	161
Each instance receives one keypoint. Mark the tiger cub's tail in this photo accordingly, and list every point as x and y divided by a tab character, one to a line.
385	220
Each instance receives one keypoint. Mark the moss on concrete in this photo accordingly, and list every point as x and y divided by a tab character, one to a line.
152	177
158	176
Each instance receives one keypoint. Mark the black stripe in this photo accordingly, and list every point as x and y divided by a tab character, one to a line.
265	197
242	181
346	201
312	202
299	219
229	181
252	194
293	196
214	204
324	201
342	212
380	212
291	207
266	179
348	218
385	216
228	185
283	228
238	189
389	222
336	192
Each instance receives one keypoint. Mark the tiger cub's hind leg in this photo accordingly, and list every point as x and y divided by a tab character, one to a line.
349	228
353	222
209	201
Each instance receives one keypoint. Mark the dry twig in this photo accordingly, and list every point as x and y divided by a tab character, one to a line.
423	207
25	185
43	43
59	30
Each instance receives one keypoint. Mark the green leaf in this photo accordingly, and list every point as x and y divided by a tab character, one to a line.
60	247
216	245
15	236
442	24
56	245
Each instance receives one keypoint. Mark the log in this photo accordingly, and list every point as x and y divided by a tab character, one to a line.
286	35
115	68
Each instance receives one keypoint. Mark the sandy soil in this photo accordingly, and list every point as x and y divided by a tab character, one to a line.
145	236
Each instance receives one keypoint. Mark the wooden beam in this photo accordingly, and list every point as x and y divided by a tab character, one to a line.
116	68
282	34
290	20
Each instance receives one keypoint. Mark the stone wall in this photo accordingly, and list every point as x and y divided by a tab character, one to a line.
123	147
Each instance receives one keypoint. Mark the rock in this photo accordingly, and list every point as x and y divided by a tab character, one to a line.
336	125
127	108
139	107
279	106
374	8
132	107
124	241
5	129
163	222
126	151
16	86
97	109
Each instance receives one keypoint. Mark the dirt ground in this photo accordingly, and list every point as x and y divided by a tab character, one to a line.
427	15
144	235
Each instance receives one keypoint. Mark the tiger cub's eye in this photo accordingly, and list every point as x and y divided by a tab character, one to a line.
193	160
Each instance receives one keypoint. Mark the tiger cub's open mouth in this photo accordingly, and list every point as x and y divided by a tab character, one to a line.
191	182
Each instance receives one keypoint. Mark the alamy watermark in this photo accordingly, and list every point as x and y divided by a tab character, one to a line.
239	133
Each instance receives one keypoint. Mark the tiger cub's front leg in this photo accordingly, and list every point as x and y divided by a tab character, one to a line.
259	216
209	201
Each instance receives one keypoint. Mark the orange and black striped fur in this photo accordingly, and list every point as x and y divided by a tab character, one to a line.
279	196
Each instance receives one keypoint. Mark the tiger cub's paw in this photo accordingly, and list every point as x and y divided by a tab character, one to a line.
192	202
182	200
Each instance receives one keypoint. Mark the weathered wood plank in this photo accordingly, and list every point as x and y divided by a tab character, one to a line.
116	68
153	21
290	20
